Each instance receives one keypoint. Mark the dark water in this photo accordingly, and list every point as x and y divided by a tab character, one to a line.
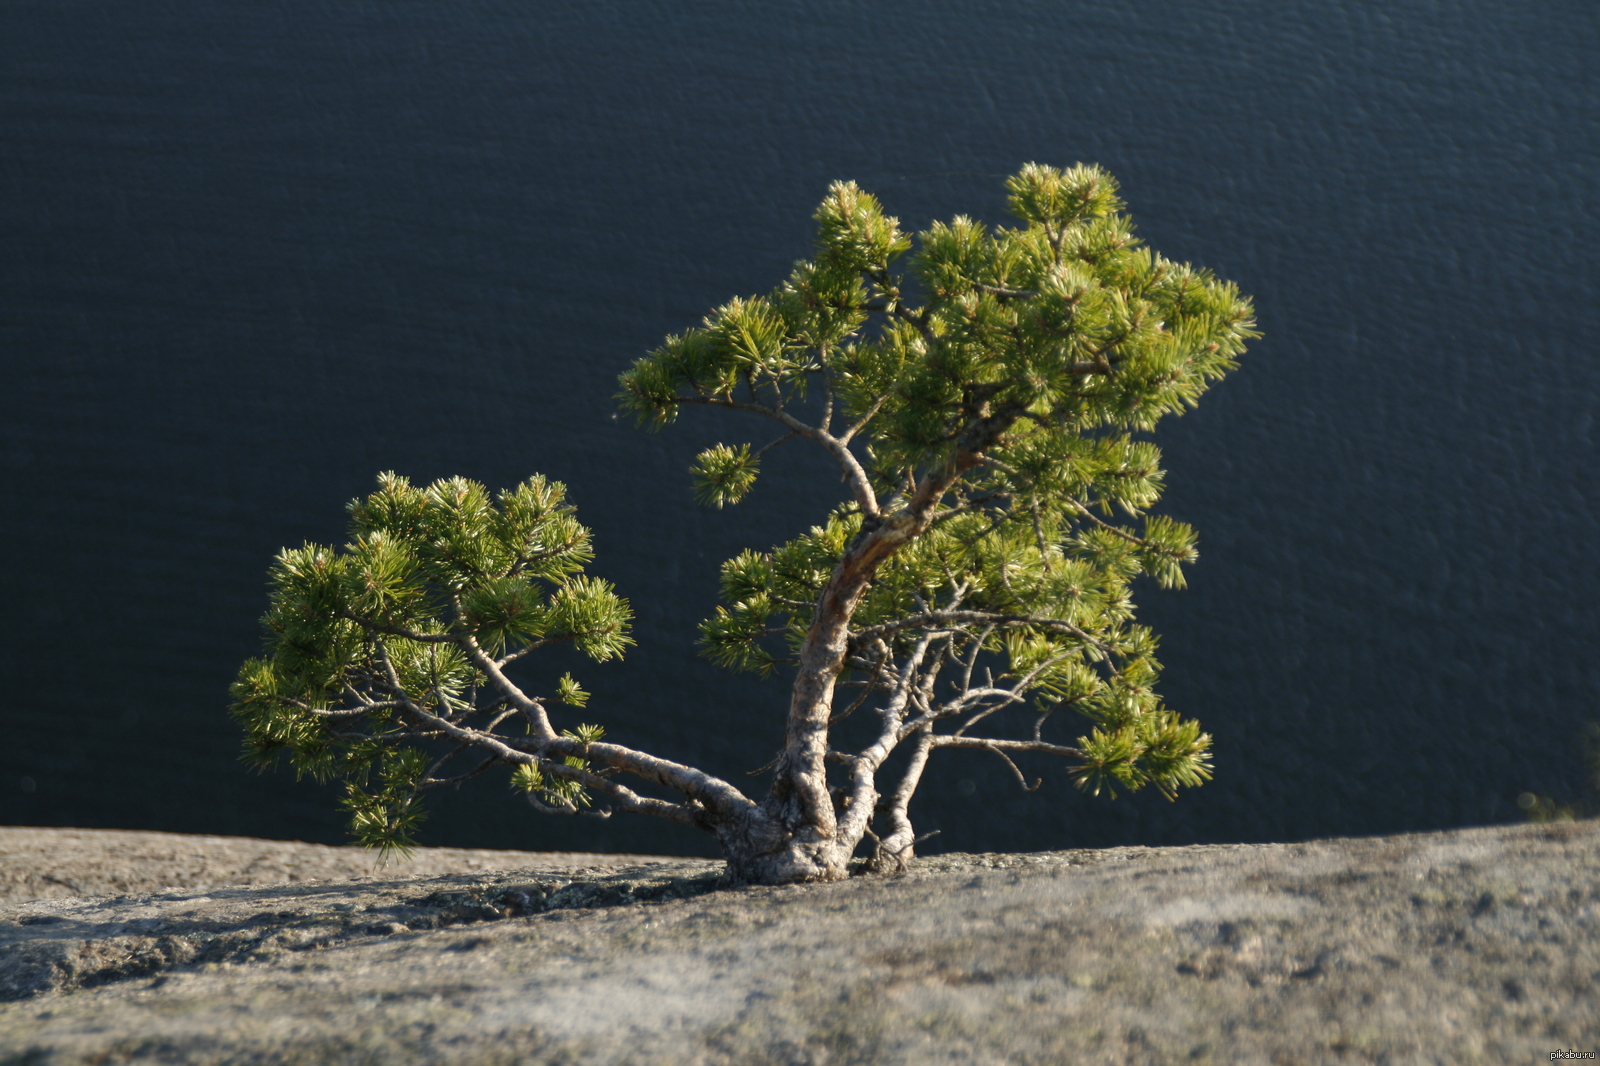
256	252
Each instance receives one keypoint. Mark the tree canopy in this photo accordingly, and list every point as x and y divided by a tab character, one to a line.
985	394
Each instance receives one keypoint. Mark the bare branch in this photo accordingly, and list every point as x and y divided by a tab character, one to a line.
441	760
1003	621
511	657
385	738
492	726
791	435
353	712
972	660
1006	698
446	727
697	784
1023	781
1012	695
995	744
867	689
861	423
531	708
428	781
359	696
692	782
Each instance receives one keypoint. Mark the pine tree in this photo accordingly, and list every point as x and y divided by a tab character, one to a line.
985	400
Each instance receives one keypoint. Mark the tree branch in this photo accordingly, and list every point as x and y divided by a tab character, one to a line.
994	744
1107	526
629	801
697	784
860	484
1003	621
511	657
429	781
861	423
900	836
791	435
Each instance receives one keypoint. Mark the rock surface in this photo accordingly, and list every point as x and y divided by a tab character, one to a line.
52	863
1478	945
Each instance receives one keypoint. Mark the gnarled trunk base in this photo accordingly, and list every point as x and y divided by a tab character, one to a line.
761	851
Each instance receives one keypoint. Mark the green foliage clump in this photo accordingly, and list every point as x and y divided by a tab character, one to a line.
369	675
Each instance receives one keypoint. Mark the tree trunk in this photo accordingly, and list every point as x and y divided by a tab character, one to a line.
796	835
812	843
762	850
